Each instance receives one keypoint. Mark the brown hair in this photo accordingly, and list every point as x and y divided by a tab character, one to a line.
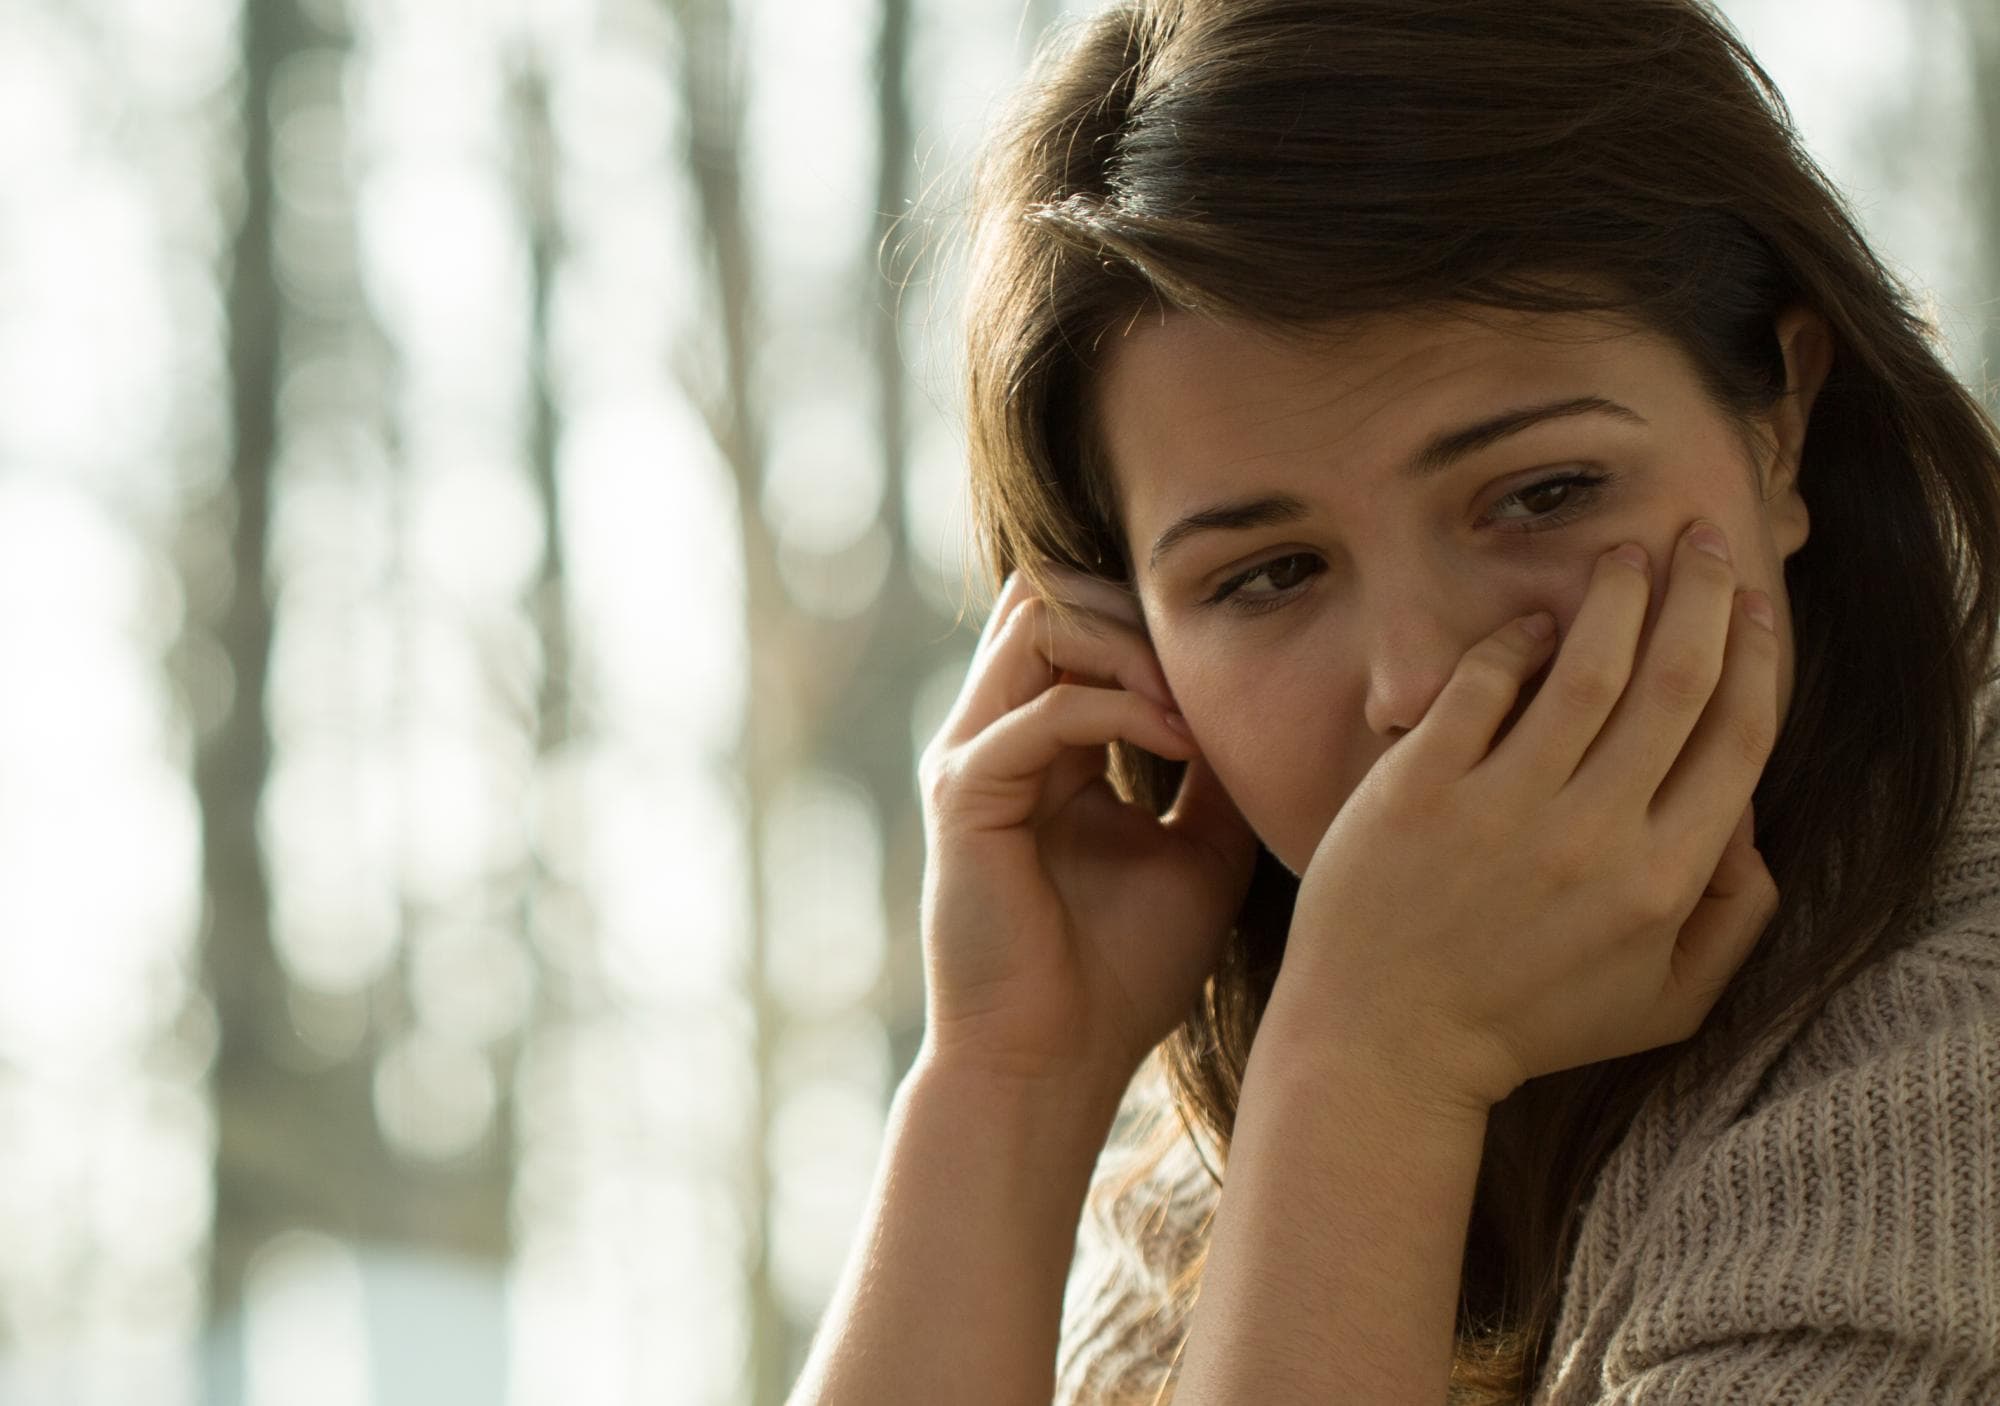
1295	161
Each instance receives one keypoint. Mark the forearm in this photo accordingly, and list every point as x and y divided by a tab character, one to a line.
953	1288
1333	1274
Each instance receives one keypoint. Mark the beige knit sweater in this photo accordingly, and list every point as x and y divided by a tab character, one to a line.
1821	1225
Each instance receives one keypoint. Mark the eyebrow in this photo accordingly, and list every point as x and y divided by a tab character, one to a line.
1437	455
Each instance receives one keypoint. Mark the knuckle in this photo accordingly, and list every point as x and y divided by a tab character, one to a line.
1048	627
1490	669
1027	616
1058	697
1589	687
1681	679
934	765
1659	893
935	773
1568	858
1005	608
937	794
1047	708
1754	736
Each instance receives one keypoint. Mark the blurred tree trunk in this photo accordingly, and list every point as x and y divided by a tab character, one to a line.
240	968
712	85
298	1143
1982	24
712	89
833	693
869	724
554	719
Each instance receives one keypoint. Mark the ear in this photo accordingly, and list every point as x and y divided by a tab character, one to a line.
1807	341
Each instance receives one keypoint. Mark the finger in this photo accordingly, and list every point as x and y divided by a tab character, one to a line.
1457	733
1727	752
1075	771
1718	936
1033	647
1013	591
1072	773
1745	832
997	778
1096	593
1540	755
952	731
1671	686
1069	595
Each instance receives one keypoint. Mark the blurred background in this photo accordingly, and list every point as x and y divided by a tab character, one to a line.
481	548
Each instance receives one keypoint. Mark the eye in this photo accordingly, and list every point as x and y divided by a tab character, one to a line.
1269	600
1577	490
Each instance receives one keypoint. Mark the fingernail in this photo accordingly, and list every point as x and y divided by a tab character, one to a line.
1179	724
1757	606
1097	593
1632	554
1707	537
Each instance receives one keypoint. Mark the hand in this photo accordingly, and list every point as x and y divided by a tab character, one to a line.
1475	918
1066	931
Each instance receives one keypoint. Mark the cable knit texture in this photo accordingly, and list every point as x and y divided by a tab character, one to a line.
1820	1224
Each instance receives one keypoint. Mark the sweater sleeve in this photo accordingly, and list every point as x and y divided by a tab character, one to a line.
1841	1242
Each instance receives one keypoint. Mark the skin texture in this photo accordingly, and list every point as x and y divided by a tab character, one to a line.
1292	706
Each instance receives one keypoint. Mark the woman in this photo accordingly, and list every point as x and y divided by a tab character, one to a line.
1605	1013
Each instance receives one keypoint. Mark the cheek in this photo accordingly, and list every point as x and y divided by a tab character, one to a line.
1279	768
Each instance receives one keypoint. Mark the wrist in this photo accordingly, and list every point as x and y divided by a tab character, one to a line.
1059	1112
1401	1075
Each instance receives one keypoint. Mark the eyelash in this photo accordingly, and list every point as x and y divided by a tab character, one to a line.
1584	488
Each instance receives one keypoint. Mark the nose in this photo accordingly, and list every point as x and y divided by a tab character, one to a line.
1403	688
1404	682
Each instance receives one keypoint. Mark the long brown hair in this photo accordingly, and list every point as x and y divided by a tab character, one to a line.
1296	161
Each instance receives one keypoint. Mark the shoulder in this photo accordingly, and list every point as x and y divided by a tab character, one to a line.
1821	1221
1839	1240
1941	992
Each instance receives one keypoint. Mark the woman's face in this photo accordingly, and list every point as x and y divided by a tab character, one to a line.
1430	510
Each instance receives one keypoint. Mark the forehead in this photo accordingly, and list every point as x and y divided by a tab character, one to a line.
1186	403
